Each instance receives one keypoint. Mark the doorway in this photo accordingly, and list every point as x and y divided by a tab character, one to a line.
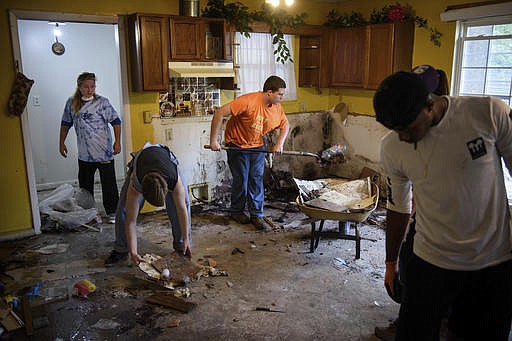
91	43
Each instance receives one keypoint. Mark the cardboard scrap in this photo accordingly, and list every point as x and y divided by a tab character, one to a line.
8	318
338	195
172	302
181	269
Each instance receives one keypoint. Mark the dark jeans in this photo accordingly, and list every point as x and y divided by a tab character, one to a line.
86	171
480	302
247	169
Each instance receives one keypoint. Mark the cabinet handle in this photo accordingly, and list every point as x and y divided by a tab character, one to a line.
311	67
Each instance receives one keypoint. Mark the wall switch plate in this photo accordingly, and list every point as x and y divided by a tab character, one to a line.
147	116
168	134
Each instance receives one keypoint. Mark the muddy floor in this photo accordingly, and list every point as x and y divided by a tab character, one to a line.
327	295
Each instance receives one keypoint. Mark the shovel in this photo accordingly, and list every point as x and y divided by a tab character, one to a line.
322	157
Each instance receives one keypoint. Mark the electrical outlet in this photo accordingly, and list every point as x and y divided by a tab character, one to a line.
168	134
36	101
147	116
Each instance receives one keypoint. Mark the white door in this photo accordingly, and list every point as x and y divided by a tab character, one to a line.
88	47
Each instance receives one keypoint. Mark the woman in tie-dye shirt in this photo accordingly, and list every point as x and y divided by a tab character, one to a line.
90	114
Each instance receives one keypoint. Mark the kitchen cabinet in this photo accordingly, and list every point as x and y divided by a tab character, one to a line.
313	67
149	52
363	56
348	57
199	39
389	49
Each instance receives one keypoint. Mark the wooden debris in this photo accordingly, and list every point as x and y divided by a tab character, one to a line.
27	314
171	302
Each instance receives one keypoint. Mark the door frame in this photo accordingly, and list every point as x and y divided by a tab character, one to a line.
14	15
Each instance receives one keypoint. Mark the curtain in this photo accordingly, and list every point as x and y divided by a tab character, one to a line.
256	61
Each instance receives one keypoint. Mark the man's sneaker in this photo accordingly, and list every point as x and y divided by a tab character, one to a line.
111	218
115	257
240	218
260	224
387	333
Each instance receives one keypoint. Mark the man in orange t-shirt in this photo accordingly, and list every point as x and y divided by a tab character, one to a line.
252	116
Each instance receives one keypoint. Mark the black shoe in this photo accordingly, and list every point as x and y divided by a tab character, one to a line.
387	333
240	218
260	224
115	257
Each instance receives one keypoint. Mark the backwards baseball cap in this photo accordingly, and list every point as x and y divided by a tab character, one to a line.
429	75
399	99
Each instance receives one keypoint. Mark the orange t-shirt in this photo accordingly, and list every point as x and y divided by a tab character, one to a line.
251	119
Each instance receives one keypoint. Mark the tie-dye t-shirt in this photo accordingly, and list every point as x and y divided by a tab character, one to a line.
91	123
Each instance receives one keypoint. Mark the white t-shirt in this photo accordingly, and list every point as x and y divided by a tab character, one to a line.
462	215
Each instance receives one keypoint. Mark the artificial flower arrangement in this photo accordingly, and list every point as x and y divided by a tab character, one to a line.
387	14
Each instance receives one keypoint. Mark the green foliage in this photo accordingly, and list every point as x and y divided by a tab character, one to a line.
235	13
344	20
389	13
239	15
404	13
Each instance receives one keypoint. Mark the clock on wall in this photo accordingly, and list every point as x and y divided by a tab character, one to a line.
58	48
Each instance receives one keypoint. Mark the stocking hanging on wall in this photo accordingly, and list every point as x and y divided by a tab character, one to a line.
19	94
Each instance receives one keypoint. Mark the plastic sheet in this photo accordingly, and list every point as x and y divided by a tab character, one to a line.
66	206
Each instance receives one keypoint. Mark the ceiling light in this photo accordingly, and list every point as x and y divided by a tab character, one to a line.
288	2
274	3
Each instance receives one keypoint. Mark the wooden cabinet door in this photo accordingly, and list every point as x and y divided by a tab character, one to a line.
186	39
349	57
380	54
309	61
389	50
154	52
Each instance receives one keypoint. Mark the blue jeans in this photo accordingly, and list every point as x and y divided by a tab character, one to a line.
247	170
121	244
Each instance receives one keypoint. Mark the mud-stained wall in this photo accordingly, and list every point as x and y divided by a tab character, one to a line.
309	132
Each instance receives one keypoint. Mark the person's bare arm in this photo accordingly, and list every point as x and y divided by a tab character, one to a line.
117	136
396	224
132	211
278	147
62	140
217	124
178	196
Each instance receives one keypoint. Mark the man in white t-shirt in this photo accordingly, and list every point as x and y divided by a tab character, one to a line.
450	150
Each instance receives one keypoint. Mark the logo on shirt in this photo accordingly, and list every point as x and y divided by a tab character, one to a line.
476	148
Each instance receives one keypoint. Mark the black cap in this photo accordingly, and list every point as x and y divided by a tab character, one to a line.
429	75
399	99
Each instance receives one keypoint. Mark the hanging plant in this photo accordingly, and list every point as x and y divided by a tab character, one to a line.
404	13
344	20
238	15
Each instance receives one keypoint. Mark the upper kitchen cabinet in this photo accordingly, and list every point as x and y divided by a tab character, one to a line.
149	52
313	64
199	39
389	49
348	56
363	56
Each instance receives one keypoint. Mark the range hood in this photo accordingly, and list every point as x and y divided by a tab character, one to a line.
201	69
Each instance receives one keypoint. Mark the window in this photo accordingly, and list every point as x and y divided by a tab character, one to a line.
483	58
256	61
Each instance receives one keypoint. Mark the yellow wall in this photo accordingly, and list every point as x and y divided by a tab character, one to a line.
15	213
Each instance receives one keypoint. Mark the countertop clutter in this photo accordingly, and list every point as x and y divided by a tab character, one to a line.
189	96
